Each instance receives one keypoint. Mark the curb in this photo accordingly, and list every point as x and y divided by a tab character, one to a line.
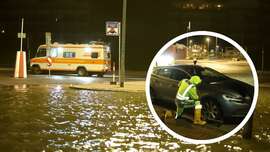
81	87
264	85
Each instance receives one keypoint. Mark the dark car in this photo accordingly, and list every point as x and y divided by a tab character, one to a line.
221	96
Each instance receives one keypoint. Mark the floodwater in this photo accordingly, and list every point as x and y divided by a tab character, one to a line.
56	118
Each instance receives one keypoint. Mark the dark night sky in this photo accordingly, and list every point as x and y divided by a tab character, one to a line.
150	24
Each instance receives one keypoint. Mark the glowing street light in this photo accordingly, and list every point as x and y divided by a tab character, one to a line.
190	43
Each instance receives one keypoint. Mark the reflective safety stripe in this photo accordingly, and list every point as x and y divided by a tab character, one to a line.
180	97
183	96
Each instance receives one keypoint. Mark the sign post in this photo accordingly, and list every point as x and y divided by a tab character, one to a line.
114	29
123	42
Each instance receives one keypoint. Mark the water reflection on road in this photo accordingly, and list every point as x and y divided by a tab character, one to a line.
53	117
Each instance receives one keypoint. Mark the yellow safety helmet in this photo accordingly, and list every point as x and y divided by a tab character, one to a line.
195	80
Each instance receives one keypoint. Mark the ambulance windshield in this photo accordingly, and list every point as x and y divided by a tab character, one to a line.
42	52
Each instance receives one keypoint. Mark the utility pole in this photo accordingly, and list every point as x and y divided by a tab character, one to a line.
262	61
119	54
216	44
21	36
123	44
247	129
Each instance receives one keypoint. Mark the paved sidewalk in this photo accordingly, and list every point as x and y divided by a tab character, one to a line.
131	86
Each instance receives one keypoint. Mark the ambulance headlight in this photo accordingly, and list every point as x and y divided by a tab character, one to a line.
108	49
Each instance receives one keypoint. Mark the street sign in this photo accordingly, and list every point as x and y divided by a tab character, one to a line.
112	28
22	35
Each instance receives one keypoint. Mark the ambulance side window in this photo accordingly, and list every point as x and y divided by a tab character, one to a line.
94	55
69	55
42	52
54	52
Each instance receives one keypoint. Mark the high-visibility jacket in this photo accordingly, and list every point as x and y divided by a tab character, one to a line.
187	89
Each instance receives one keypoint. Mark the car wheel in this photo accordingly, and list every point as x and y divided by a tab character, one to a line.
36	70
82	72
211	111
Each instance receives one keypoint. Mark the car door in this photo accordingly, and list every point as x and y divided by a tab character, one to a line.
160	82
176	76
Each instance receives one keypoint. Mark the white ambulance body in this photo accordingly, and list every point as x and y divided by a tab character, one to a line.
84	59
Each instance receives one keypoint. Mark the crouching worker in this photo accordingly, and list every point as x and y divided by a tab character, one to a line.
187	95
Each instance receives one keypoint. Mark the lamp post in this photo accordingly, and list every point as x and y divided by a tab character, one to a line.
208	50
188	29
208	40
216	48
123	45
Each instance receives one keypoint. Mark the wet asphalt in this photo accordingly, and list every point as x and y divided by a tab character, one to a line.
44	114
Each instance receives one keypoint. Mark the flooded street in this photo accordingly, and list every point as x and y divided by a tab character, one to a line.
57	118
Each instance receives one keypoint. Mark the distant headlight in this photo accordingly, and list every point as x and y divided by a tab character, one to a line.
232	98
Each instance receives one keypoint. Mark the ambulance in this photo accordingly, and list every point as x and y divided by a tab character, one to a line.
83	59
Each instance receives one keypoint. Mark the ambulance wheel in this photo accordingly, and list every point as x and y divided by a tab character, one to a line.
100	75
36	70
211	110
82	72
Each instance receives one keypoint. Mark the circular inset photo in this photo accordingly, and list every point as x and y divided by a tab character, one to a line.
202	87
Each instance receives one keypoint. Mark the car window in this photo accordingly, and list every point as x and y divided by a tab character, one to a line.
166	72
156	71
211	75
177	74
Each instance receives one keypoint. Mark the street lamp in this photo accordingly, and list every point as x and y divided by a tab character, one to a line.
208	40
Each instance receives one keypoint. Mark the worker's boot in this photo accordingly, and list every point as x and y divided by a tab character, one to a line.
179	112
197	115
